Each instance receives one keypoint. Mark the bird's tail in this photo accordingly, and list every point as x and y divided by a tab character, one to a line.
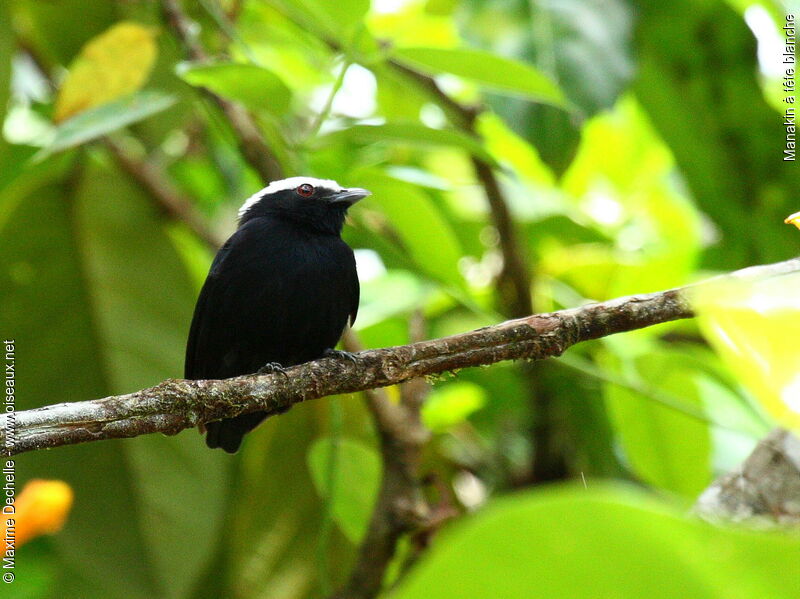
228	433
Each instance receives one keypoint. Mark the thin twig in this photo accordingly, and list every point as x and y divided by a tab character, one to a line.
400	507
515	276
325	112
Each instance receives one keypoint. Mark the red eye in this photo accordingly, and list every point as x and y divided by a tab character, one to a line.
305	190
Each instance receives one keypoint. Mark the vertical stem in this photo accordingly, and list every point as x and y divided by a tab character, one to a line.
326	109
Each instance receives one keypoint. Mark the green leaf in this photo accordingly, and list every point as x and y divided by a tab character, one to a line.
452	404
502	75
592	63
84	293
176	479
666	448
101	120
339	19
395	292
422	228
409	132
573	543
273	467
356	479
256	88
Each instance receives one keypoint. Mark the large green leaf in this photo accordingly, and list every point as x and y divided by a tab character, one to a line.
181	485
420	225
104	119
489	70
45	307
449	405
573	543
356	476
592	64
99	302
339	20
255	87
666	448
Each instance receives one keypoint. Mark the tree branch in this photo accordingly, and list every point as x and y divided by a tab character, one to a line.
174	405
762	490
514	284
400	506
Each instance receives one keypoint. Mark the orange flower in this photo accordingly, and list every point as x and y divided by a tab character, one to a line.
41	508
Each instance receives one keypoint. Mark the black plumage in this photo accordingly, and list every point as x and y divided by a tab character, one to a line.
280	291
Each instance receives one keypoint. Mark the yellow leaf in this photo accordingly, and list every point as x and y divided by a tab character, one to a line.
755	327
794	219
115	63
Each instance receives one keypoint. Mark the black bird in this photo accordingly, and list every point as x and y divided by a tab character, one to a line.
280	292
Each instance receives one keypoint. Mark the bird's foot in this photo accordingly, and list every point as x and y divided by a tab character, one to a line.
272	368
340	355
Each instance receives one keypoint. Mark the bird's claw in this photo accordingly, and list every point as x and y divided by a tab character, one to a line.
272	368
340	355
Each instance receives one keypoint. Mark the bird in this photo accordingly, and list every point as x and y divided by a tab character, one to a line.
280	291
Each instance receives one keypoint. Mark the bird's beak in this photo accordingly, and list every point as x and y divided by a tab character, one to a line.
350	196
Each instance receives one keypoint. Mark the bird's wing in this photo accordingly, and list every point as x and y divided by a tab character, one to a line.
240	321
196	362
355	292
271	297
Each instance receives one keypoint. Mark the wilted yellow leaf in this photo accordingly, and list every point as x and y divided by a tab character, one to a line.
115	63
755	327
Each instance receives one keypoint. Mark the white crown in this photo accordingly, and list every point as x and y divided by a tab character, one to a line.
284	184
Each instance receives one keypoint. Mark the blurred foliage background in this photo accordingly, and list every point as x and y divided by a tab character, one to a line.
639	146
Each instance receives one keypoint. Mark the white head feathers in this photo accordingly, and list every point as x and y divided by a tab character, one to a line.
283	184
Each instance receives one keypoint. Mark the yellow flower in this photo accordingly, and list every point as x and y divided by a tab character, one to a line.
41	508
